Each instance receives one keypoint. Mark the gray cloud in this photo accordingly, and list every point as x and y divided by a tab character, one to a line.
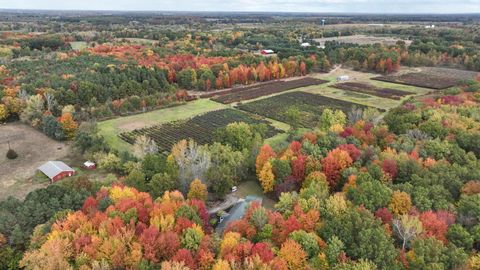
374	6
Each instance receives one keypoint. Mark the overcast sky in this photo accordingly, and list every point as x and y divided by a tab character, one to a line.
369	6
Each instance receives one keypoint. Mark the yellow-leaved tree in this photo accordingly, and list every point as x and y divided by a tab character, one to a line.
400	203
197	190
266	177
3	112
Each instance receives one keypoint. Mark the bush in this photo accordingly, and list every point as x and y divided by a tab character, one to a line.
11	154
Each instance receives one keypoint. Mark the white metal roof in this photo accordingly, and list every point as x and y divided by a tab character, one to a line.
53	168
88	164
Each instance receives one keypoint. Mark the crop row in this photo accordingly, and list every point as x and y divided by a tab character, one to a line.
310	107
421	79
200	128
372	90
255	91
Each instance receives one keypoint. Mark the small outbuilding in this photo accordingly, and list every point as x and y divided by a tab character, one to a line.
343	78
305	44
89	165
56	170
267	52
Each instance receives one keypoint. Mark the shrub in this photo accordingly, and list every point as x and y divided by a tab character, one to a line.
11	154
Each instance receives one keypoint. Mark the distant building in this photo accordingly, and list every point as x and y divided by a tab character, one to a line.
56	170
305	44
267	52
343	78
236	212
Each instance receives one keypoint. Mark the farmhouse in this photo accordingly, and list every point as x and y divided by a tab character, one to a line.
56	170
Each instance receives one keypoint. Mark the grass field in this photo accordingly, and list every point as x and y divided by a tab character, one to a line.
78	45
33	148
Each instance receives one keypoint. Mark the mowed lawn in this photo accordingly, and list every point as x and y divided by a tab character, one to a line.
110	129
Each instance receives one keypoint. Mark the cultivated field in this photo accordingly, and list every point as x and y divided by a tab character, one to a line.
200	128
310	110
457	74
421	79
110	129
310	106
366	88
265	89
33	149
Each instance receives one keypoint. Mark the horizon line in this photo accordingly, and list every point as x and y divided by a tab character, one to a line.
219	11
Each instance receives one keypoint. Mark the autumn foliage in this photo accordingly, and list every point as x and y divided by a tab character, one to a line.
198	190
266	153
335	161
123	227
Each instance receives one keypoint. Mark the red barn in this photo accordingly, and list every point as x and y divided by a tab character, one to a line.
56	170
267	52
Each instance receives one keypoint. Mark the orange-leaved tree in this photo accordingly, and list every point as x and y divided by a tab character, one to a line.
69	126
335	161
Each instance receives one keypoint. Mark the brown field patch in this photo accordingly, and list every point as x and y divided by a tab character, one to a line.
366	88
33	150
264	89
420	79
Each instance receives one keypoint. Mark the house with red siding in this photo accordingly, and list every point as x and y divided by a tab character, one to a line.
56	170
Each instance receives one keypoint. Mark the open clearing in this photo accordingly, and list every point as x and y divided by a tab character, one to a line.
365	88
420	79
78	45
431	77
458	74
33	150
110	129
361	98
200	128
